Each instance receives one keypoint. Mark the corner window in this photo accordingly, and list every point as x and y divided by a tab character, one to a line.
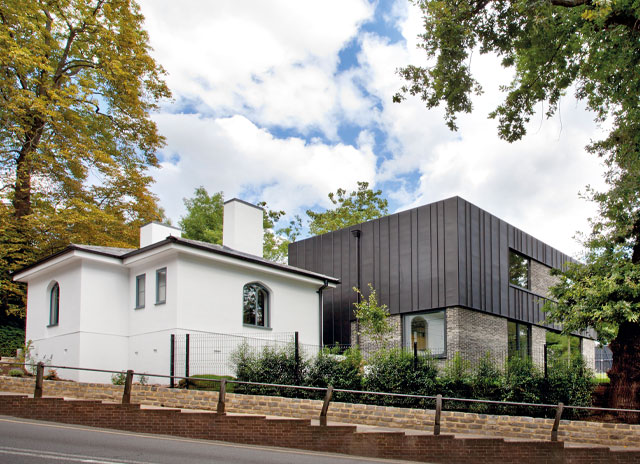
519	266
426	332
518	339
161	285
255	305
54	304
140	284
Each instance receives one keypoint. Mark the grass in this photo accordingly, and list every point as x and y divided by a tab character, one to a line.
601	377
209	386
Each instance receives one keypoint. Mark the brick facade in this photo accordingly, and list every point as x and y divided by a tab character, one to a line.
475	334
541	278
369	346
418	419
538	340
300	434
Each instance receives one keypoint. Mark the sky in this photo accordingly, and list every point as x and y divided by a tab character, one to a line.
285	101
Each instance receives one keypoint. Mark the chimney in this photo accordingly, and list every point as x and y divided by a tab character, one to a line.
154	232
242	228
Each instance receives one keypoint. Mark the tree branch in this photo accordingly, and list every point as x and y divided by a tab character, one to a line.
570	3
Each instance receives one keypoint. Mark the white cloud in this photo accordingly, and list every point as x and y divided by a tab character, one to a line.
237	157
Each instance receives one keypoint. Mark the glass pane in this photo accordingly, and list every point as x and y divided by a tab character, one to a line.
512	338
523	339
54	305
518	270
419	333
260	308
140	283
161	290
435	333
249	305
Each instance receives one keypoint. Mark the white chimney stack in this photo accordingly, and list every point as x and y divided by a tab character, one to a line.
242	228
155	232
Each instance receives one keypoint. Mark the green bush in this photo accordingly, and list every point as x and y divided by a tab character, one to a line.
522	383
486	384
393	371
11	338
456	382
119	379
570	383
271	365
340	370
16	373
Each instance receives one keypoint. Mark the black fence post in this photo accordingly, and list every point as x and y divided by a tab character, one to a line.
172	362
545	361
37	392
297	357
126	396
415	355
186	358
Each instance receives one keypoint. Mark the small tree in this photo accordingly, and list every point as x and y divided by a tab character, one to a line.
373	318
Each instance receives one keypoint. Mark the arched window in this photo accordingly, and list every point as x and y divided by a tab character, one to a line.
255	305
419	333
54	304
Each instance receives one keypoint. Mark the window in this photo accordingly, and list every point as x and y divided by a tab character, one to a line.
519	339
161	285
563	347
140	282
519	269
255	305
426	331
54	304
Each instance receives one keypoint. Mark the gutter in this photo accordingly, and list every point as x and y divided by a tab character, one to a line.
321	310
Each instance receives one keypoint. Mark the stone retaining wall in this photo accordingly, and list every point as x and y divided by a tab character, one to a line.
452	422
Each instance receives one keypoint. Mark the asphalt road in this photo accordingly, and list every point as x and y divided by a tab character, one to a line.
26	441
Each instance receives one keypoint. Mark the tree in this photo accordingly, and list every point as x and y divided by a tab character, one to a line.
553	45
203	220
373	318
358	206
276	241
77	85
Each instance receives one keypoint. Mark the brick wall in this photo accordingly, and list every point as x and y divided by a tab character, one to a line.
541	279
369	346
538	340
474	334
452	422
300	434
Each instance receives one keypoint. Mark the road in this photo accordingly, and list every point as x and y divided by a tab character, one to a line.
37	442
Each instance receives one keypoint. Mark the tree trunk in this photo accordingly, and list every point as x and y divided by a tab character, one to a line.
24	170
624	390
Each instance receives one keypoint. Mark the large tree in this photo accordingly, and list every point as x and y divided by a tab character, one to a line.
351	208
77	84
552	46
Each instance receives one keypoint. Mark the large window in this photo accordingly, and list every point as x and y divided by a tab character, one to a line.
255	305
140	284
426	331
563	347
519	269
519	339
161	285
54	304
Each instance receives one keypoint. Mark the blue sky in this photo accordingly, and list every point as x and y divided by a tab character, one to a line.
286	101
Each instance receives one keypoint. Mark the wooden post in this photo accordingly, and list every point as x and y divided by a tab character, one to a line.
221	397
37	393
436	423
126	396
325	405
556	422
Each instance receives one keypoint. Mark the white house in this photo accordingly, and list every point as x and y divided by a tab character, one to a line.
115	309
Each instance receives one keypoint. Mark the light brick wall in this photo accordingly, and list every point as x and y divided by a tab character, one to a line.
538	340
369	346
541	279
474	334
417	419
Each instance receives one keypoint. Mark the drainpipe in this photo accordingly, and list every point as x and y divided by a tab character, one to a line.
356	234
321	310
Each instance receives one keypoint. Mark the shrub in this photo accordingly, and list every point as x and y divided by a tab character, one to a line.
522	383
341	371
456	381
11	339
16	373
119	379
570	383
393	371
271	365
486	384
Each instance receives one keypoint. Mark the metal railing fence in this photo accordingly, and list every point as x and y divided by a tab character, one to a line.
328	394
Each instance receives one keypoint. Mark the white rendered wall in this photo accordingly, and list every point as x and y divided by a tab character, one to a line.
155	232
60	344
242	227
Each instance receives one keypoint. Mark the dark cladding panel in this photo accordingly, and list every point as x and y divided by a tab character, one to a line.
394	266
367	243
441	255
495	266
476	275
451	289
404	261
504	270
424	258
434	256
462	253
383	291
415	275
